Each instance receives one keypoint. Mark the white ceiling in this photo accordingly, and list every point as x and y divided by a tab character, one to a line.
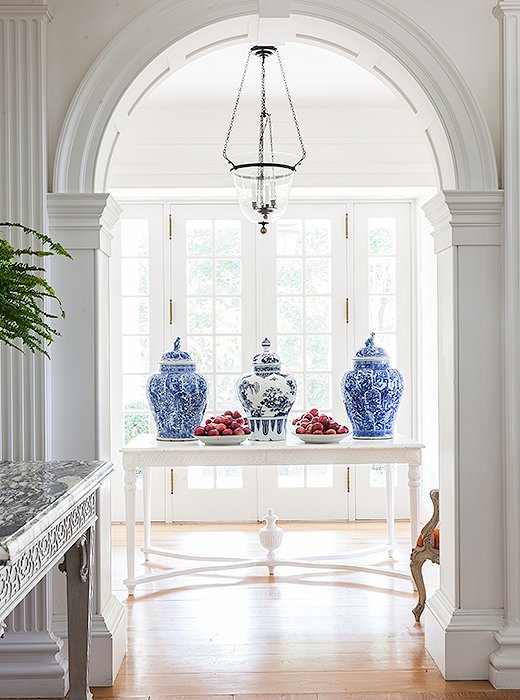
315	77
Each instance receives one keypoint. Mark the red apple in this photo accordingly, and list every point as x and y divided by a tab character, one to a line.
342	430
317	426
239	431
330	431
299	431
199	431
247	431
317	432
227	431
220	427
314	411
213	432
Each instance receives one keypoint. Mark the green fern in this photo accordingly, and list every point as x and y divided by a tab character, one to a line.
23	293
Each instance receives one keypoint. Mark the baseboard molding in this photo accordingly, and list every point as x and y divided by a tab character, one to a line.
504	661
107	641
33	665
460	641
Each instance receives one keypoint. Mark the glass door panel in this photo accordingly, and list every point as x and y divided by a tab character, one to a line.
213	309
306	289
382	302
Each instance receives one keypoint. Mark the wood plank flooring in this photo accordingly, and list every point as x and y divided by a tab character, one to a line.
308	635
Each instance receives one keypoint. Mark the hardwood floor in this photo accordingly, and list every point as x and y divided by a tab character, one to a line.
298	636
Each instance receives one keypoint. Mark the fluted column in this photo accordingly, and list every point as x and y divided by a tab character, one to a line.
463	616
505	660
30	654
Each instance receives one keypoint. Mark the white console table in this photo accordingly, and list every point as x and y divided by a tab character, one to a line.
47	513
146	453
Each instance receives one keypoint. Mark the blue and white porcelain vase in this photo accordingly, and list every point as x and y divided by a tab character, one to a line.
372	392
267	395
177	395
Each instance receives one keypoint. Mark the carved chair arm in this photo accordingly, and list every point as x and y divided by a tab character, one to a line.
427	531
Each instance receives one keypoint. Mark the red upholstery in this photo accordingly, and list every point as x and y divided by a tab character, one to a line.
436	539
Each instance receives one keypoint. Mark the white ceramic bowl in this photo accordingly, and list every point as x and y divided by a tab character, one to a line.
320	439
222	439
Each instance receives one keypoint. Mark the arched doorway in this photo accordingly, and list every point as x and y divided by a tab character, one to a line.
401	54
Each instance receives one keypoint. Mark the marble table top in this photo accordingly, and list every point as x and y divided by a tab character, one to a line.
34	494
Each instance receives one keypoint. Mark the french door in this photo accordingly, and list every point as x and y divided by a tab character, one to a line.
203	273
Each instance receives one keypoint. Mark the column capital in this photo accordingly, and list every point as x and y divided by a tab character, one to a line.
83	221
506	7
465	218
25	10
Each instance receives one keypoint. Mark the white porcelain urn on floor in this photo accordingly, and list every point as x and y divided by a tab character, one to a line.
267	395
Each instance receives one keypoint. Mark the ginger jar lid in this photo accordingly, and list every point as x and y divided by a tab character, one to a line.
370	352
177	356
267	359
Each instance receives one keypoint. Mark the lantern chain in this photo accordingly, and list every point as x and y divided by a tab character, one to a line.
304	152
233	114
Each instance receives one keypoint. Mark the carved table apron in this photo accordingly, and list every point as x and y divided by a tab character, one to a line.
146	453
47	513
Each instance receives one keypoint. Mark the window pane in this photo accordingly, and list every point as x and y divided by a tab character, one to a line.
381	314
226	393
210	407
134	276
298	406
291	476
318	391
388	341
290	314
381	275
227	277
136	354
319	476
381	236
227	238
318	352
199	276
134	392
317	276
134	238
289	276
229	478
377	476
135	315
136	424
229	353
229	315
199	238
200	315
317	236
201	477
317	315
290	351
200	348
289	237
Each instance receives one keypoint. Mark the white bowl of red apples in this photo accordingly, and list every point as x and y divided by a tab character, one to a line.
316	427
231	428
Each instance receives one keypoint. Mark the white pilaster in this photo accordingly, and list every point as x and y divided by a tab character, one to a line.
463	616
504	669
30	656
79	388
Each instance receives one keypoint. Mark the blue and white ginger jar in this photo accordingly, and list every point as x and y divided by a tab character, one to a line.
177	395
267	395
372	392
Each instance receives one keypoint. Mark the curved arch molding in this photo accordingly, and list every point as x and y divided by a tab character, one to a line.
370	32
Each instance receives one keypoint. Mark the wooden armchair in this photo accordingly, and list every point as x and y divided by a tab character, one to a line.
427	547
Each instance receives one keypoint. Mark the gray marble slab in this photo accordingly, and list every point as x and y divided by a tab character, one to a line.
34	494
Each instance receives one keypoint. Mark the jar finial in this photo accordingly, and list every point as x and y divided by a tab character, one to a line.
177	344
369	342
266	344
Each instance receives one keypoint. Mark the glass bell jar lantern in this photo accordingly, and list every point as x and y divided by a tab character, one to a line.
263	178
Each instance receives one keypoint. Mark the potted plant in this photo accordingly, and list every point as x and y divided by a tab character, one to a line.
24	292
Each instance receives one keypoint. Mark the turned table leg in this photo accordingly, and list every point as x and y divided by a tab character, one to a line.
78	567
390	508
130	486
147	510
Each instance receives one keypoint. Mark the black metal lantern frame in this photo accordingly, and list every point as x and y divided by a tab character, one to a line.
263	186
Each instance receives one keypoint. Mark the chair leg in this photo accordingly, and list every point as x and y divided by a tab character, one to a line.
416	570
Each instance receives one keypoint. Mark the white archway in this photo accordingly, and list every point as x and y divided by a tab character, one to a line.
467	217
374	34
